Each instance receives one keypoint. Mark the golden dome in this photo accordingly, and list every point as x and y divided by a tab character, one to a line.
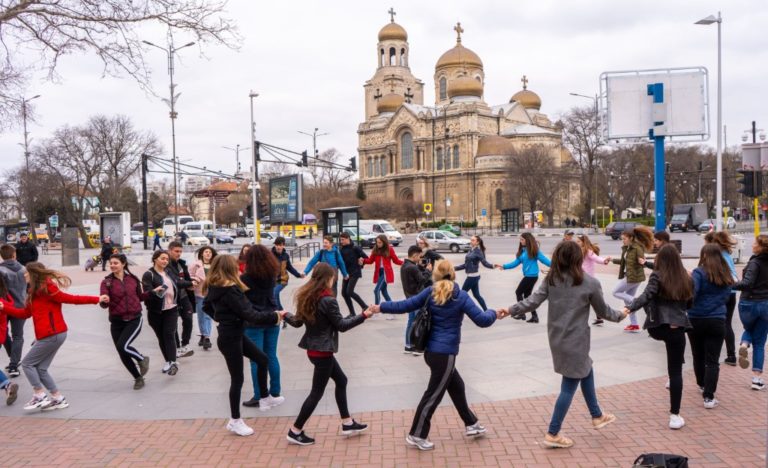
393	32
527	99
464	86
389	103
459	56
494	145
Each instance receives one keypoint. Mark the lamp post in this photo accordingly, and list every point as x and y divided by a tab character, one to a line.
594	178
170	51
711	19
28	199
255	176
237	150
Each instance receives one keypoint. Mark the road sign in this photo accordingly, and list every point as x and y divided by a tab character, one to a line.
53	221
483	212
427	208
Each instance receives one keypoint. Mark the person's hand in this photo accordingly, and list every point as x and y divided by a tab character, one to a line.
641	260
607	260
1	305
303	275
282	313
501	313
346	277
625	312
498	267
158	289
104	299
360	261
371	310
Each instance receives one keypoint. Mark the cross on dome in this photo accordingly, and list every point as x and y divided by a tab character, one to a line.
524	80
458	30
391	14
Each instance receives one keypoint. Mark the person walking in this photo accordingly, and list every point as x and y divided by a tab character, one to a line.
329	254
529	255
156	244
177	267
666	298
12	273
44	301
635	242
11	389
570	293
26	250
199	270
162	307
428	254
726	243
354	257
125	297
225	301
753	310
415	277
318	311
107	249
472	261
284	261
382	256
591	254
447	304
712	281
260	279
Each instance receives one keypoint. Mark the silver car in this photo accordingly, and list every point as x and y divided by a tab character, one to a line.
444	240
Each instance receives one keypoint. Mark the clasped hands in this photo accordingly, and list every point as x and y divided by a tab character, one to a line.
371	310
502	313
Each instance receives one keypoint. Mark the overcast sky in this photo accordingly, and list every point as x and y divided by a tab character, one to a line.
309	60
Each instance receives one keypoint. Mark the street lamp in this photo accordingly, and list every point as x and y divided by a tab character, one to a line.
24	102
237	150
711	19
255	177
170	51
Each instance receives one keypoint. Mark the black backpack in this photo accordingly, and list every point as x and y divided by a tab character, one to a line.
660	460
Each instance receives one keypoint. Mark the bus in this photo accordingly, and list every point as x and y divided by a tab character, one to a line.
169	224
308	221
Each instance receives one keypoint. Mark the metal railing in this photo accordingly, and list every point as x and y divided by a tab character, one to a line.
307	250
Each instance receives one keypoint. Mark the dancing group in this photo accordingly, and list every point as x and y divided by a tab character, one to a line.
242	295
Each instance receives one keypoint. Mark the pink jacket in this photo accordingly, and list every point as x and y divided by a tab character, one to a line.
198	271
592	259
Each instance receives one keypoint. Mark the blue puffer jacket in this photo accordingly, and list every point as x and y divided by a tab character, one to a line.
331	257
708	299
530	265
472	261
446	318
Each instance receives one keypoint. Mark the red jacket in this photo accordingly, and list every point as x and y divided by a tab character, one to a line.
125	296
380	261
45	310
7	301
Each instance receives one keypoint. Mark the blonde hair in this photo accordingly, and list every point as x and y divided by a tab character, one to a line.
443	277
224	272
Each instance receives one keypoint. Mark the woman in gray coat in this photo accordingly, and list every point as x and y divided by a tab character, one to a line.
570	293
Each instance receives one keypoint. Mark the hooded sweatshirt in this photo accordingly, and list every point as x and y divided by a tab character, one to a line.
13	274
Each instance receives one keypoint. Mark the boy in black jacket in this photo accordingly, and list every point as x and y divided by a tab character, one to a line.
414	278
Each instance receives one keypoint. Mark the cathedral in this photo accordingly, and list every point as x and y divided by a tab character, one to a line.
455	155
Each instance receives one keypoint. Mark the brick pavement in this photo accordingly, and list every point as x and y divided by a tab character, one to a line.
734	434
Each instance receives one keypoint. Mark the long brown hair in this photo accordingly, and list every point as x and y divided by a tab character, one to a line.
530	244
642	235
721	239
308	295
443	277
675	283
39	276
384	250
712	262
566	260
243	251
224	272
587	245
261	263
762	242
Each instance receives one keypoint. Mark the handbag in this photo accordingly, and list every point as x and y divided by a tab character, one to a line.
660	460
421	327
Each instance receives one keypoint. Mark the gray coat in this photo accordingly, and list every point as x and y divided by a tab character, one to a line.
568	321
13	274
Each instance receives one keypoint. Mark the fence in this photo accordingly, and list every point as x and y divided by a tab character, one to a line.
307	250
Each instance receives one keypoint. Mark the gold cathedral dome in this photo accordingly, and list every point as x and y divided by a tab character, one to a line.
389	103
465	86
393	32
526	97
459	55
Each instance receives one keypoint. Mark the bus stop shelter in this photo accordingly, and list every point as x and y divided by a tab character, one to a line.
335	220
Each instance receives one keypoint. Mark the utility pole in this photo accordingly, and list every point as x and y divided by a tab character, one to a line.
27	198
255	177
237	150
144	202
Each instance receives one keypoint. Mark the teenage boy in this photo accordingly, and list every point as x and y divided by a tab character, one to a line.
178	268
13	274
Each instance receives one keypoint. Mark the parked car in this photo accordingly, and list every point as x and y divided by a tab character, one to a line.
614	229
268	237
709	224
445	240
196	237
450	228
241	232
136	236
224	239
364	239
226	231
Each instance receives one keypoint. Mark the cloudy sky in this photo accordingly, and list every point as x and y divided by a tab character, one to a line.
309	60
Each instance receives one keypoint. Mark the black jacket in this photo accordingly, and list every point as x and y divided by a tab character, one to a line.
432	257
26	252
351	254
180	273
230	308
149	281
414	278
106	250
323	333
658	310
754	283
261	295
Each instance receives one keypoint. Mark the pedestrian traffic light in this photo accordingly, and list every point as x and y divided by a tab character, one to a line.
353	164
748	183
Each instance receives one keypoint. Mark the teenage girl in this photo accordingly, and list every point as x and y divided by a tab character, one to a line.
241	257
666	298
529	255
200	270
382	257
163	307
635	243
591	254
726	243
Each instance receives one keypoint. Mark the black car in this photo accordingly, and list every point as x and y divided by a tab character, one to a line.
241	232
615	229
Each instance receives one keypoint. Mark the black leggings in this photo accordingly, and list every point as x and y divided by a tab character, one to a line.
730	338
325	368
443	377
164	324
707	338
674	339
123	334
348	293
233	345
525	288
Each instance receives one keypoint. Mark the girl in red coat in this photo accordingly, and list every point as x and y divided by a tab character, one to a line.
44	306
382	257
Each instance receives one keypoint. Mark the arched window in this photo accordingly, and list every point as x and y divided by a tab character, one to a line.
383	162
376	168
439	158
392	56
406	151
403	60
443	88
447	156
383	58
369	168
499	196
456	162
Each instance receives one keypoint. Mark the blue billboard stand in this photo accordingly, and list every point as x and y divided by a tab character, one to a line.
657	135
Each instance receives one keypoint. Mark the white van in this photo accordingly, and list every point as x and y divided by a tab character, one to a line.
382	226
168	224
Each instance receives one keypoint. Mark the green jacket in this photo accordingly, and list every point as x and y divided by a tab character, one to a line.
628	264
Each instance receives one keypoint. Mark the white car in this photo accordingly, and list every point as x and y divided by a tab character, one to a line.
196	238
446	240
137	236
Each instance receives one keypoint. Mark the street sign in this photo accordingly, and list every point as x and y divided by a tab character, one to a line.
483	212
427	208
53	221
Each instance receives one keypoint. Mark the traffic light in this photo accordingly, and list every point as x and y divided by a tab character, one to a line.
263	209
353	164
748	181
304	159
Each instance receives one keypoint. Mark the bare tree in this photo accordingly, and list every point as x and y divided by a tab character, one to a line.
533	168
581	135
36	34
325	175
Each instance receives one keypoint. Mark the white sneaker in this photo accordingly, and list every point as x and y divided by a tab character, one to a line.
239	427
757	384
418	442
265	404
676	421
37	401
166	367
709	404
274	400
54	404
184	351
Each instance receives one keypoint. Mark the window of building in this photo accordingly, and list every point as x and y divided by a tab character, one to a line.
439	158
406	151
403	58
392	56
499	197
443	88
383	58
456	162
447	156
376	168
383	162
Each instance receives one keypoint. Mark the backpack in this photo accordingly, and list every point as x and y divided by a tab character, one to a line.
660	460
421	327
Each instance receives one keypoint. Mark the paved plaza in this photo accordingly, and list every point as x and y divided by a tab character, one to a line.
507	368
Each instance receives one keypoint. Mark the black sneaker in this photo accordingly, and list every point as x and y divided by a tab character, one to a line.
353	428
252	403
13	371
207	345
408	350
534	319
299	439
519	317
730	361
202	341
598	321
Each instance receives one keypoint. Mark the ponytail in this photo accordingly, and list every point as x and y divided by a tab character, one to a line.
443	277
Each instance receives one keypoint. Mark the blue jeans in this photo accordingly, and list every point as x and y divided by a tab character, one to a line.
4	380
266	340
278	289
567	390
754	317
381	288
411	316
472	283
204	321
